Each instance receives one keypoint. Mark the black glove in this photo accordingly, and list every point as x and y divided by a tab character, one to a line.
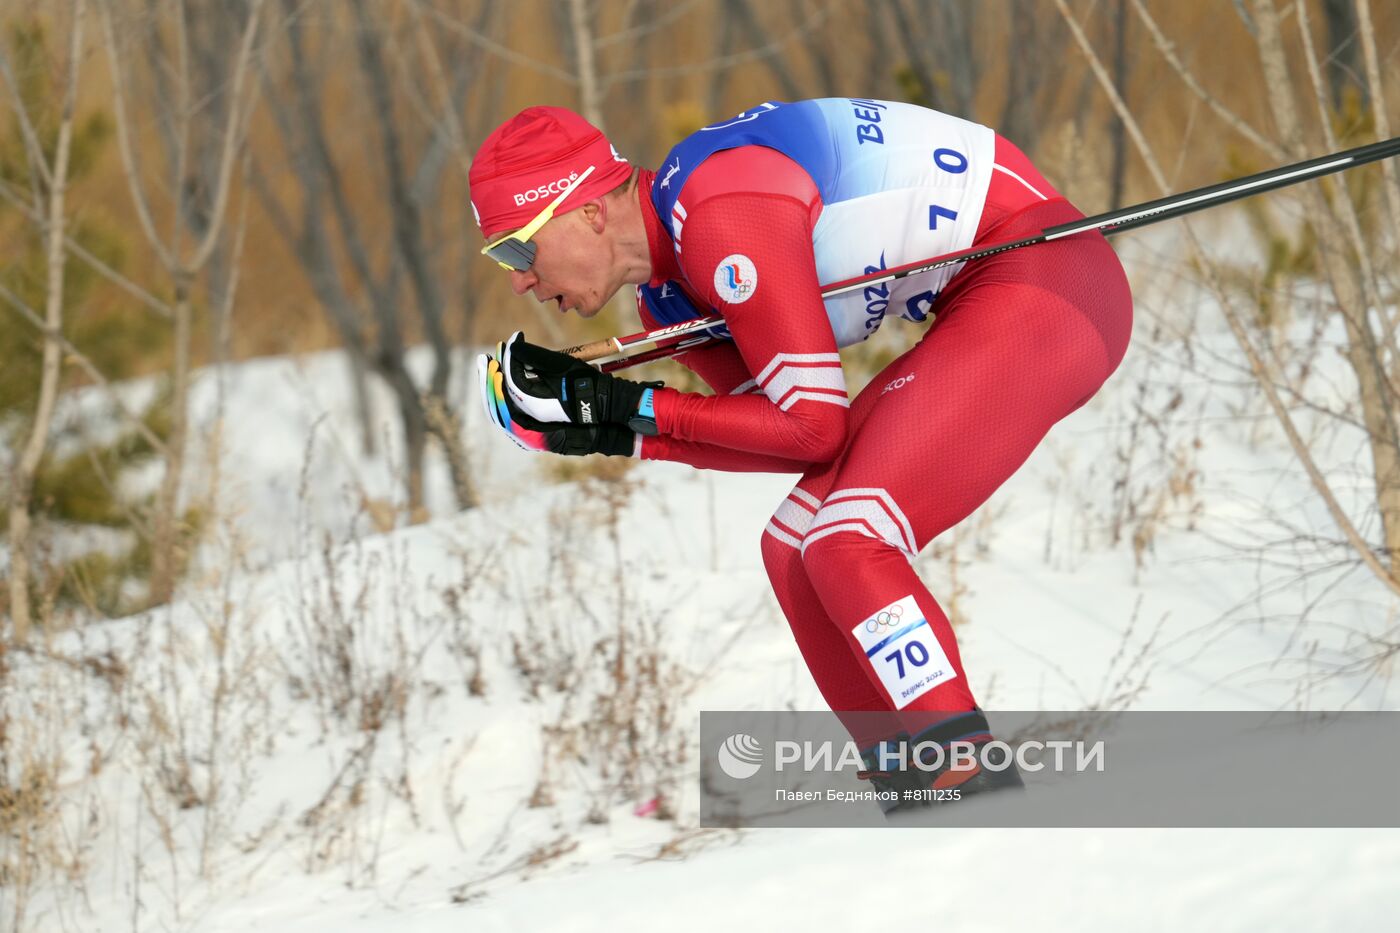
537	436
553	387
611	440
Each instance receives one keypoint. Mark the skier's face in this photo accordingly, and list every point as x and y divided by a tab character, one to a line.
575	263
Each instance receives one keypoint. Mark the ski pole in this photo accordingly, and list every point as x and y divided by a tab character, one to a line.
630	350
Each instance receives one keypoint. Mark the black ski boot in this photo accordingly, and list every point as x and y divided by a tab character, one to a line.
908	787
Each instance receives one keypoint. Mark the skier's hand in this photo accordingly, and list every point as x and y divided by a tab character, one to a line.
553	387
541	437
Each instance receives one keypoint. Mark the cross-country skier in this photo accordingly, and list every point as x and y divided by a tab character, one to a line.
748	218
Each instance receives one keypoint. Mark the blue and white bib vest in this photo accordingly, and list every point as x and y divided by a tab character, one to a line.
899	183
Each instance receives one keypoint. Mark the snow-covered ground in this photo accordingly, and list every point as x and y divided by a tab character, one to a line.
342	729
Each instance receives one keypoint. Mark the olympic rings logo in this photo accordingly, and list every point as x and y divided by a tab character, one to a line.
885	619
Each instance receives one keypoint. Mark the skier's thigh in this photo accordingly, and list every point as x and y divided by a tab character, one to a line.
957	415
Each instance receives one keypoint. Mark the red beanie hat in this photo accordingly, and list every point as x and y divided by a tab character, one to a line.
530	158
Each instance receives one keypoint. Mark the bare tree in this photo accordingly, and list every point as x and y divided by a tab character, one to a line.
1343	62
49	188
197	216
724	37
211	32
1347	263
1349	266
582	35
938	45
581	30
1377	97
409	163
749	24
1117	133
951	48
1036	44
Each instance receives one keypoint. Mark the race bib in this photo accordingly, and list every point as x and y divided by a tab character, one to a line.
901	647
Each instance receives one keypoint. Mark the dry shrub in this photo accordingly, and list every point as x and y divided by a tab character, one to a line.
592	652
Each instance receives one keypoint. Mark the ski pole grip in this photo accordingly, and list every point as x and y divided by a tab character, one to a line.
592	351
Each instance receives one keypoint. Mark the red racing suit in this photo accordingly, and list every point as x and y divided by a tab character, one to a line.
1013	343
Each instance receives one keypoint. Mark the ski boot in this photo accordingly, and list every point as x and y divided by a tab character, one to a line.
906	786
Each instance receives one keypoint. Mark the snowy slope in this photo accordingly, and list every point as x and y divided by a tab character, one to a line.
373	710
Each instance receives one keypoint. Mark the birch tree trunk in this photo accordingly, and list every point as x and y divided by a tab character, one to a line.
590	100
1347	274
22	485
183	263
1345	261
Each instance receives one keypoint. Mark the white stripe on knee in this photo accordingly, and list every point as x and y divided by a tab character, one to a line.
868	511
793	377
793	517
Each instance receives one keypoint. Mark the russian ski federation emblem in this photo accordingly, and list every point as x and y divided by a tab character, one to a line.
735	278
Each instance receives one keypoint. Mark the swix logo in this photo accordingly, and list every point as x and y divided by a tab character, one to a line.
657	334
585	412
544	191
671	170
